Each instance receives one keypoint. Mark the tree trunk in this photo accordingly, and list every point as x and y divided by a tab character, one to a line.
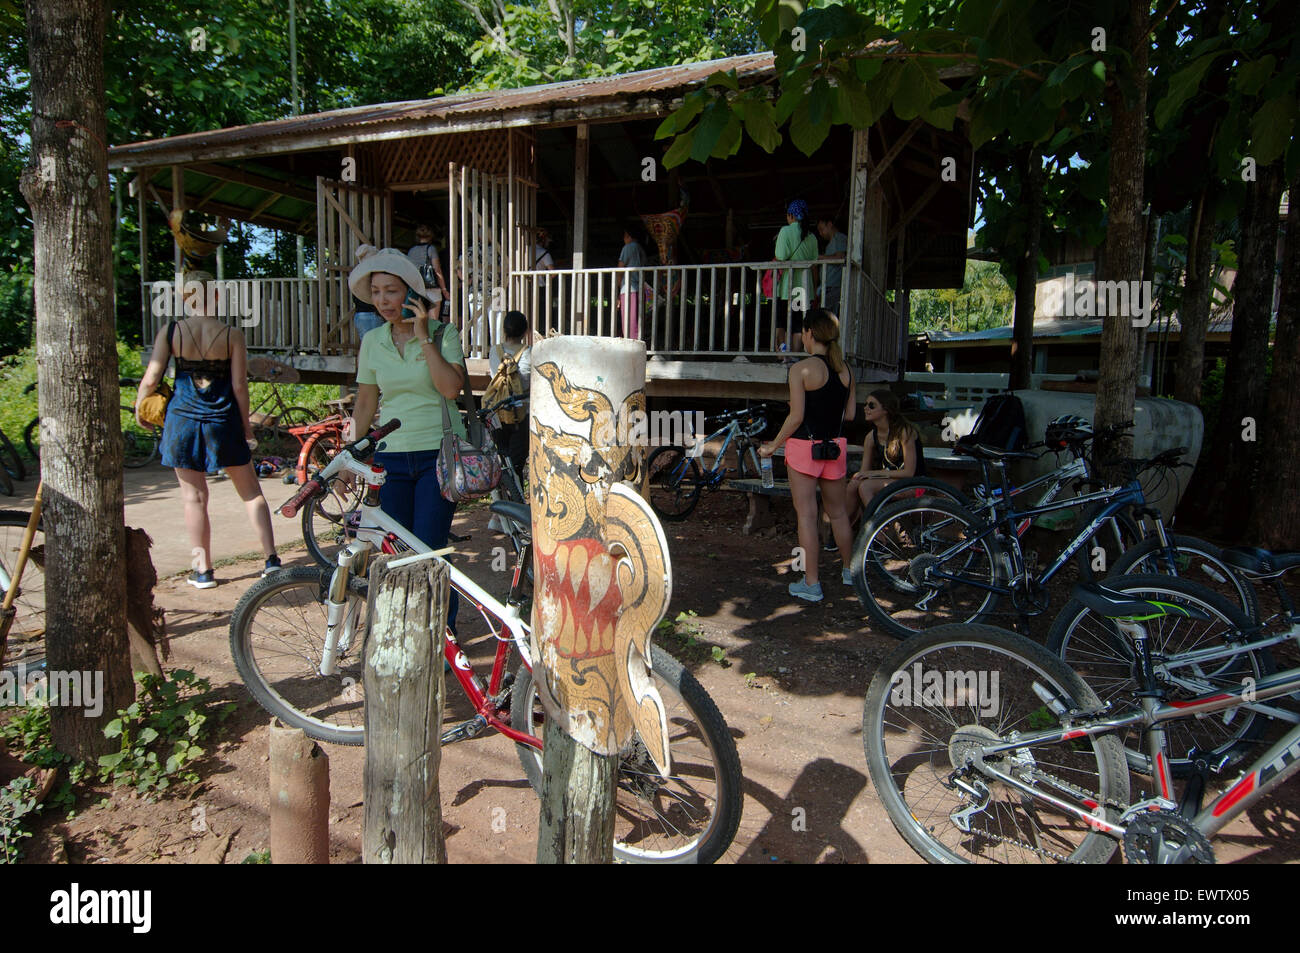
81	438
1125	247
1276	519
1198	291
1022	343
1225	491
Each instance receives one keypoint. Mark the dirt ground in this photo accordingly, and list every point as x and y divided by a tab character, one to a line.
791	689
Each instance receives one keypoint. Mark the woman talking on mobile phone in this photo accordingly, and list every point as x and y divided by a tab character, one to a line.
821	400
399	360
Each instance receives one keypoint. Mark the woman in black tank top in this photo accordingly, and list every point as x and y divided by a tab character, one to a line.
821	399
891	450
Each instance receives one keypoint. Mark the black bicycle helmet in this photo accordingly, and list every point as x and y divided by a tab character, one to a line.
1067	430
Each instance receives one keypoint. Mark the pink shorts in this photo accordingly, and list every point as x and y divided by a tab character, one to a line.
798	456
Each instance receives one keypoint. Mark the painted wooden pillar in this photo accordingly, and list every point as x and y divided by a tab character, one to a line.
603	581
582	154
178	202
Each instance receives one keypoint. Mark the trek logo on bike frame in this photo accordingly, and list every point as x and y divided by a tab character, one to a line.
976	690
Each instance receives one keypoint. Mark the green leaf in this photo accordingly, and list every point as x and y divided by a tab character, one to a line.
727	79
1270	129
148	735
855	105
111	760
712	123
1252	76
914	92
1099	70
776	17
1182	86
804	133
759	125
681	117
113	729
680	150
728	143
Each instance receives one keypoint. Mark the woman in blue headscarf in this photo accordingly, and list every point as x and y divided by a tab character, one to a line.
797	241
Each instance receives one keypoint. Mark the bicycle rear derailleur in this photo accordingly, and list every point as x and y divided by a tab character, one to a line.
1165	837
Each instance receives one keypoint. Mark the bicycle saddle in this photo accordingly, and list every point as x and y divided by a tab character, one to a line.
517	513
1260	563
1120	605
985	452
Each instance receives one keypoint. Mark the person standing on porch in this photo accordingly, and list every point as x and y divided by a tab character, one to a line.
542	260
629	296
207	425
424	255
794	288
837	246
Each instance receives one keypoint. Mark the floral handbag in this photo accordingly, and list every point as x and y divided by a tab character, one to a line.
464	470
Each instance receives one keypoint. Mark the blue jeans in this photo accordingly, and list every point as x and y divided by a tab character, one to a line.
411	496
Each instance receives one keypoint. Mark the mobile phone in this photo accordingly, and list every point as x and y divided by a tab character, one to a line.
408	313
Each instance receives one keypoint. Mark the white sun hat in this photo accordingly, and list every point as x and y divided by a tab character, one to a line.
390	261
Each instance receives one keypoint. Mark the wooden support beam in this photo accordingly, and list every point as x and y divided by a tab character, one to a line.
266	184
178	202
581	161
895	149
209	195
916	207
163	197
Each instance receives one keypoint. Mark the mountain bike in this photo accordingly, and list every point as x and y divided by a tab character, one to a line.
272	419
985	747
22	560
298	636
930	562
674	476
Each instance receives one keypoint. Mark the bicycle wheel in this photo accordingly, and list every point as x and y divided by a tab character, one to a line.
32	437
1094	647
747	464
674	481
1193	559
29	604
690	816
958	687
274	438
912	489
139	444
9	459
277	636
895	550
325	526
6	482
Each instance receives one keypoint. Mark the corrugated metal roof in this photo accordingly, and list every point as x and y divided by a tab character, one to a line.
443	114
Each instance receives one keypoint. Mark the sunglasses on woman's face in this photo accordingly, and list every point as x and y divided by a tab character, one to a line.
872	405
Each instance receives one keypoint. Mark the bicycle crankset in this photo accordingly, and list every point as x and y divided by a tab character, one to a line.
1163	837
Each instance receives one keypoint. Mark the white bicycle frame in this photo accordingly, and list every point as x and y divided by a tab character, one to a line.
376	529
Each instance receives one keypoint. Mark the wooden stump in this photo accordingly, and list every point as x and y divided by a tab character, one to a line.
300	798
576	824
760	514
403	692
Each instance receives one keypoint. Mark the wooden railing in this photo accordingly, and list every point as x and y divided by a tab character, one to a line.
682	311
275	314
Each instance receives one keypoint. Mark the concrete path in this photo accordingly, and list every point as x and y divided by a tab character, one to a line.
153	502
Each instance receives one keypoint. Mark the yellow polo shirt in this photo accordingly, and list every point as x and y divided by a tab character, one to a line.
406	389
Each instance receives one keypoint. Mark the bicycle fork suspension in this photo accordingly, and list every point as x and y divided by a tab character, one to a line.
339	622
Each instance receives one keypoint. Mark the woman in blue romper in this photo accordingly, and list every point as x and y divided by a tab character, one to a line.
207	426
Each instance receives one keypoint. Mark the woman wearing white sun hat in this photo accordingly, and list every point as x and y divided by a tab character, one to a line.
400	360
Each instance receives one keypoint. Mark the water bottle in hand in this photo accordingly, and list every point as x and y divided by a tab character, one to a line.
765	465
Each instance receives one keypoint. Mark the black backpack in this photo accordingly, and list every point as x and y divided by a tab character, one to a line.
1001	424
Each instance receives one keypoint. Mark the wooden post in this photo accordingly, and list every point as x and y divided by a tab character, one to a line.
582	150
300	798
178	202
584	389
403	691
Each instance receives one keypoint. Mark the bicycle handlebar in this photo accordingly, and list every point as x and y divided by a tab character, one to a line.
358	449
513	401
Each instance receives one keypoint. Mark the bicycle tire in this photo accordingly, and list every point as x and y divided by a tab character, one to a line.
747	464
139	446
32	438
10	460
292	614
697	731
275	440
29	603
324	518
1198	560
1094	648
673	483
915	488
6	482
889	578
910	749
